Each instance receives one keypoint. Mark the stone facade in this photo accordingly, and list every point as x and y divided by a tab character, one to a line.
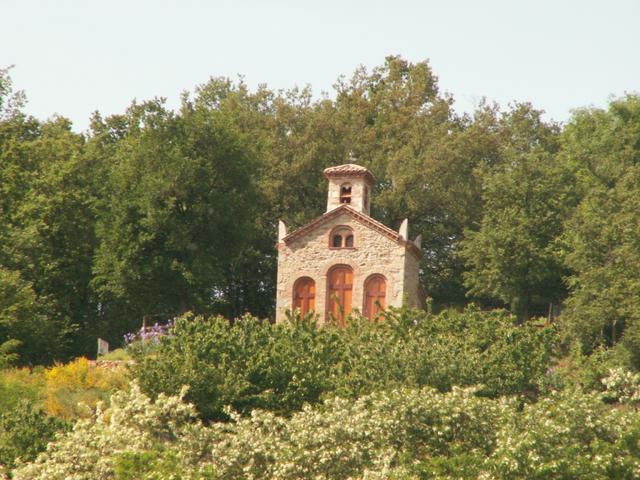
377	249
360	198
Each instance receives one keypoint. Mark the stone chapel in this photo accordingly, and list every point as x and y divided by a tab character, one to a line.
345	260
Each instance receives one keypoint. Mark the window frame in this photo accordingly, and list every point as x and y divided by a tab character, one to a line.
299	281
343	231
346	196
346	310
365	292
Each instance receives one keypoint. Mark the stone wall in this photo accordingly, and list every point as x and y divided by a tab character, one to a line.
413	290
310	256
358	186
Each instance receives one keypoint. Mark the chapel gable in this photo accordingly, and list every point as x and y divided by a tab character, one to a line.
344	260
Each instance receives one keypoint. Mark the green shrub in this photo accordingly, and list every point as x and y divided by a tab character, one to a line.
21	384
252	364
588	371
117	355
8	354
154	464
25	431
417	348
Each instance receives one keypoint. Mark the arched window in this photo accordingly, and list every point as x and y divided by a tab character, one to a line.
341	237
366	197
304	295
348	240
375	296
345	193
339	293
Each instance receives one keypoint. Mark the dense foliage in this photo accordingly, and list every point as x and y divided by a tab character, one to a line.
253	364
397	434
153	212
25	431
35	404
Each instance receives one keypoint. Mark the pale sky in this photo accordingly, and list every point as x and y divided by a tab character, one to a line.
72	57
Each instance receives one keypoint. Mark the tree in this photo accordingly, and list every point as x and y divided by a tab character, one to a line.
290	137
11	101
46	229
27	323
601	241
512	254
395	121
178	212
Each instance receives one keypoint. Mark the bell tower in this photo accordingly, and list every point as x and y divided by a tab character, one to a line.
349	184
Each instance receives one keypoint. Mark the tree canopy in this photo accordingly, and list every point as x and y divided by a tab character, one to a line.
154	212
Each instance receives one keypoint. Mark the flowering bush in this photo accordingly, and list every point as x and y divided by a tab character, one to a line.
72	390
35	403
622	386
395	434
133	424
345	439
150	333
569	435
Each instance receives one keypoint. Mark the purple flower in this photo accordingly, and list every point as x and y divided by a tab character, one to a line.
152	333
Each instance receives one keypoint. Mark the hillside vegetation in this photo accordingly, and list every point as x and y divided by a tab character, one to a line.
524	365
467	395
154	212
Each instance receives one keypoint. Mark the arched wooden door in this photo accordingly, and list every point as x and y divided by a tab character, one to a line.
304	295
375	296
340	293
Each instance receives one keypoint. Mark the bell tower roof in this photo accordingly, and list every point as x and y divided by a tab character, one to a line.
350	184
349	170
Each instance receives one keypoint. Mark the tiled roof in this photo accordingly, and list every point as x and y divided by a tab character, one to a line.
348	170
361	217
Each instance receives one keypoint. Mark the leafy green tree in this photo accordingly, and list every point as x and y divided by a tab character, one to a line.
395	121
601	240
178	212
11	101
293	138
512	254
46	228
52	238
8	354
24	319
